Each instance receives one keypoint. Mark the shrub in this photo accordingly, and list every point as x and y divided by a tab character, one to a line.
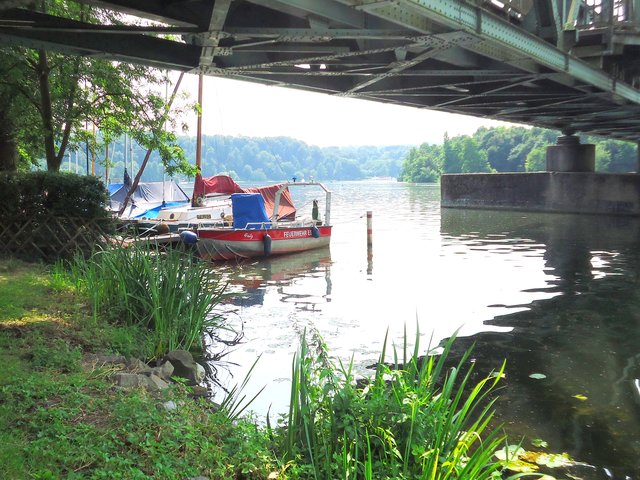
46	215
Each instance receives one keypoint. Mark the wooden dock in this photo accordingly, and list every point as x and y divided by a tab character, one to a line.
165	240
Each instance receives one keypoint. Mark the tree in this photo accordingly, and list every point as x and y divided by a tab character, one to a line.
536	160
603	158
423	164
451	160
62	99
499	143
15	110
474	160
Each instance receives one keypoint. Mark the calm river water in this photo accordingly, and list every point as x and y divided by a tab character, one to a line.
553	294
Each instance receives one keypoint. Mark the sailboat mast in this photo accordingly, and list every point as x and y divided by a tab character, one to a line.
199	132
194	200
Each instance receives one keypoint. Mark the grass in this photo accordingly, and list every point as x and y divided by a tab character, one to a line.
171	295
416	419
61	418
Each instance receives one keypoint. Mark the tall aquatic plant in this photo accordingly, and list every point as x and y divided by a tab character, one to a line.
415	419
170	293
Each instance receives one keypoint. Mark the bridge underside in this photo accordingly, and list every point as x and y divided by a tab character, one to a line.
518	61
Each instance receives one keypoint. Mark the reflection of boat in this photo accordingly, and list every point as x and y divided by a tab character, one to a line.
283	268
255	234
253	278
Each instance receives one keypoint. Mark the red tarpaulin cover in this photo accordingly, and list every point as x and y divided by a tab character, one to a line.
225	184
216	184
286	209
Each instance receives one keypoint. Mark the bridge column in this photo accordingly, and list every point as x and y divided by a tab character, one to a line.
569	155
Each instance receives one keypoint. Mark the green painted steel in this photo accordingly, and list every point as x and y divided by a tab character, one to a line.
459	14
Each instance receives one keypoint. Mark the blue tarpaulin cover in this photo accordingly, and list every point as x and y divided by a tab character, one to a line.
248	208
114	187
148	196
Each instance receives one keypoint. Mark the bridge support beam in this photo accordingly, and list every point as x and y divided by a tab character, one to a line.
569	155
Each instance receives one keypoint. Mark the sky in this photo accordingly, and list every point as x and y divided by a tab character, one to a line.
240	108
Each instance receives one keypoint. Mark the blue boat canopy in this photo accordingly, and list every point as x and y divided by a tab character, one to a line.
148	197
248	211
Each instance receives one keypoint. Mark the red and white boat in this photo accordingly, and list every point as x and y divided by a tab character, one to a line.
256	234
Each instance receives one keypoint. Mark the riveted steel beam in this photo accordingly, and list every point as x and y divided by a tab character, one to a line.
318	35
216	24
439	44
431	40
460	14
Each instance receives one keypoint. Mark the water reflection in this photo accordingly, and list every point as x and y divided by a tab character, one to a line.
586	340
281	271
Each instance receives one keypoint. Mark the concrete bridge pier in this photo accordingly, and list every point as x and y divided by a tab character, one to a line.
570	185
569	155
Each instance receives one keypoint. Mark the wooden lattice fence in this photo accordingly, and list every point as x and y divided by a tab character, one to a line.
53	237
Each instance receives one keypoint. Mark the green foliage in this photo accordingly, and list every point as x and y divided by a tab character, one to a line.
55	213
417	419
505	149
171	294
451	160
73	426
55	353
44	194
473	159
423	164
52	100
622	156
263	159
603	158
536	160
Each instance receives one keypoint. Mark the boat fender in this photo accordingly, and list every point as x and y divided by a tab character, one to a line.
161	228
266	240
188	237
315	232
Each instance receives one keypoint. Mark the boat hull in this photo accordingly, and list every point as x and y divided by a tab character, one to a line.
228	244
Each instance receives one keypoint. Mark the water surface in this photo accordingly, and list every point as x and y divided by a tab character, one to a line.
552	294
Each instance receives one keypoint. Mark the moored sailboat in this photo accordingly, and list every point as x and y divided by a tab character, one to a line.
255	234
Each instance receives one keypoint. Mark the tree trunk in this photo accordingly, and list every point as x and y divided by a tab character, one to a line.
8	154
8	151
46	112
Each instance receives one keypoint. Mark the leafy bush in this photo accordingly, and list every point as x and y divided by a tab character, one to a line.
46	215
44	194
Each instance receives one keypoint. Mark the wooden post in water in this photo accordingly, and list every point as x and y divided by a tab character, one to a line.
369	242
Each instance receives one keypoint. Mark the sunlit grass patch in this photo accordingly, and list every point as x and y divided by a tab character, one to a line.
24	289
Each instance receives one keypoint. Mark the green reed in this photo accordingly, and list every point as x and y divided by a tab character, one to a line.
417	419
169	293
